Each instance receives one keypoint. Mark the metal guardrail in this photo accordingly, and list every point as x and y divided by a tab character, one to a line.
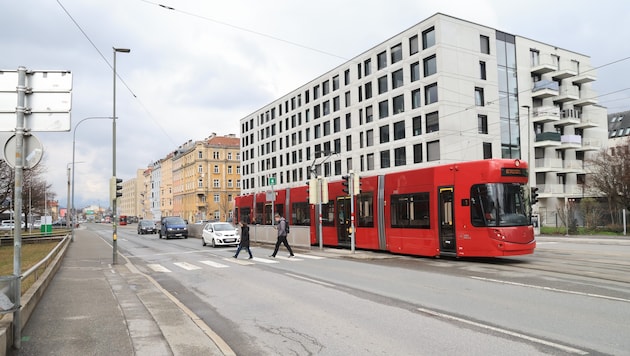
50	255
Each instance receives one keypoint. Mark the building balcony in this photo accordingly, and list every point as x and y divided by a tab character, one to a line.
569	117
545	89
583	78
587	97
567	94
590	144
563	74
543	68
548	139
573	166
586	121
544	165
545	114
570	141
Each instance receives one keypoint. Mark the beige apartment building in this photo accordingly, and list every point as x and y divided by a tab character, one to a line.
205	178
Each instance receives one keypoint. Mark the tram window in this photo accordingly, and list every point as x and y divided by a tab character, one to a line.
365	210
300	213
245	214
410	211
328	214
497	205
259	213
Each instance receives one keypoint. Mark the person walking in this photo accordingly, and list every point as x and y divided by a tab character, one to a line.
244	240
281	226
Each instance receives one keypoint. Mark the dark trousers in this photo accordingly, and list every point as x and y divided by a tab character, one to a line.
282	240
238	250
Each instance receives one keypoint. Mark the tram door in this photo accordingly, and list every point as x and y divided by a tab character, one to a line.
343	221
447	223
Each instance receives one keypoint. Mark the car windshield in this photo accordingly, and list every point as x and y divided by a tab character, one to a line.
146	223
498	205
223	227
175	220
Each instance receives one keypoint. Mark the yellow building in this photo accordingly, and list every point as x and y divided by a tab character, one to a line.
206	178
166	186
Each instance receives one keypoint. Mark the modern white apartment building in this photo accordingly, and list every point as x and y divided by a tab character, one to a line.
445	90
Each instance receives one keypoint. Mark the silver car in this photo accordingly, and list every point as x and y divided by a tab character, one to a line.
220	234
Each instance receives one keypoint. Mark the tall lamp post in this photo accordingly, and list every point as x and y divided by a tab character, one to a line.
530	164
114	208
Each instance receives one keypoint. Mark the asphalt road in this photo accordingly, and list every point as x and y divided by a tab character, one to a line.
570	297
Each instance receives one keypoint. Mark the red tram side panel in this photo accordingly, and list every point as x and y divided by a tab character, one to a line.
463	209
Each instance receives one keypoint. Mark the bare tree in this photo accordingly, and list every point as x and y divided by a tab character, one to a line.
610	174
35	190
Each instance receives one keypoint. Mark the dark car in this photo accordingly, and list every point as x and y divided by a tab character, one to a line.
173	226
146	227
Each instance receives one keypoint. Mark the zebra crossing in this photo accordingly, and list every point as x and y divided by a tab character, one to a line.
227	262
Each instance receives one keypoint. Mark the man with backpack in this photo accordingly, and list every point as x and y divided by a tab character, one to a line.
283	229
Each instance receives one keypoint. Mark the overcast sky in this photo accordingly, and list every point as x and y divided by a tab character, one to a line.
204	65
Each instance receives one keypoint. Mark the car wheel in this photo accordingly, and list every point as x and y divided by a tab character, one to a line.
214	243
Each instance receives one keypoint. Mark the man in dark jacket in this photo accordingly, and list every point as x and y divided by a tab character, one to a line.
244	240
281	226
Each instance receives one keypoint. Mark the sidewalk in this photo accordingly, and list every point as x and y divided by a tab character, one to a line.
92	307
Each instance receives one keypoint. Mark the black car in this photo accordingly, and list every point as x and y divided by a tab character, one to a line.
146	227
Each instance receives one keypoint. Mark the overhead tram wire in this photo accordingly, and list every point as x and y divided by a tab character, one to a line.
117	73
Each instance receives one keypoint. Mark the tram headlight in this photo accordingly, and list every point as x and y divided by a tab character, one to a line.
499	234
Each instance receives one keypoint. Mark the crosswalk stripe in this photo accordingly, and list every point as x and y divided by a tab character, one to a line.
214	264
288	258
312	257
187	266
158	268
264	260
239	262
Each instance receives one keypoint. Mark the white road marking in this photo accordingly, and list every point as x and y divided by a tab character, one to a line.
214	264
288	258
312	257
264	260
158	268
187	266
310	280
239	262
552	289
506	332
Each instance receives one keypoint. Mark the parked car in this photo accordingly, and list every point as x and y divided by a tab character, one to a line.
220	234
9	225
173	226
146	227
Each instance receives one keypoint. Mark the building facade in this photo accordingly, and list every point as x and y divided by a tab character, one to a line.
445	90
206	178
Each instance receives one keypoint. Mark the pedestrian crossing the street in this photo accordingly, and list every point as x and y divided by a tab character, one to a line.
227	262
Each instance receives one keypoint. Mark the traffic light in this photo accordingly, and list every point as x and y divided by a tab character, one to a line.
356	184
534	195
346	184
115	190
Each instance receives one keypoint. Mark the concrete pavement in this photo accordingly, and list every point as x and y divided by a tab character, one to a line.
92	307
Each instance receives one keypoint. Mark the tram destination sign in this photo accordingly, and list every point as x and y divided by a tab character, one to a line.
514	172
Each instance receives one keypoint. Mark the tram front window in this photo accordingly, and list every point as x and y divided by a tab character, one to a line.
498	204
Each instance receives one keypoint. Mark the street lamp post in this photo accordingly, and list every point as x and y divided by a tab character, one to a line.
530	164
74	135
114	208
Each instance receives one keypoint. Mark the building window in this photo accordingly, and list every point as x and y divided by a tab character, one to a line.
325	87
216	183
370	161
413	45
346	77
430	94
348	121
383	109
415	98
349	143
326	128
369	138
417	125
384	134
382	84
318	131
316	92
347	99
430	66
397	79
369	115
216	168
417	153
482	70
336	124
368	90
415	71
216	155
335	82
326	108
396	53
367	67
479	99
381	60
487	150
482	124
200	154
399	104
217	198
433	151
484	44
433	123
336	105
200	169
428	38
199	183
399	130
400	156
230	184
385	159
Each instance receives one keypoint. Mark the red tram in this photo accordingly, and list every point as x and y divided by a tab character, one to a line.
462	209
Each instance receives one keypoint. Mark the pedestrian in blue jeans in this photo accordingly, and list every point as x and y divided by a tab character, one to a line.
244	240
281	226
